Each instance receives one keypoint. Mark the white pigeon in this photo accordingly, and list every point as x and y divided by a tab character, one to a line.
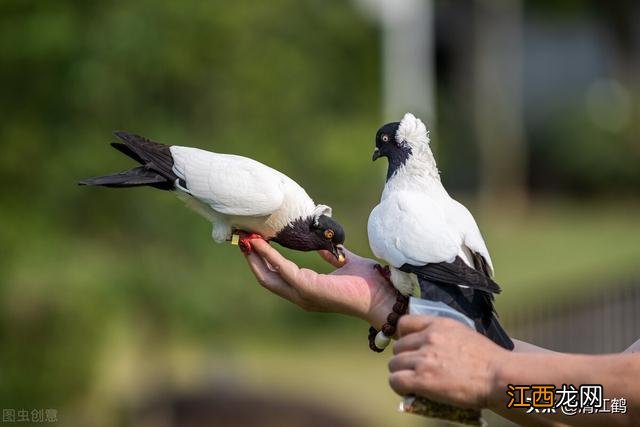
235	193
432	243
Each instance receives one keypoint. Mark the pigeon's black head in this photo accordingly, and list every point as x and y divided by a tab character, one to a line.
313	234
390	146
328	230
328	235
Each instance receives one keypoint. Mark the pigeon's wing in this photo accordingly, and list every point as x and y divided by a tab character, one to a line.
410	228
460	218
231	185
474	270
454	273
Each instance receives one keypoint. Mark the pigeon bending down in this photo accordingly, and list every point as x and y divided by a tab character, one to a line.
431	241
235	193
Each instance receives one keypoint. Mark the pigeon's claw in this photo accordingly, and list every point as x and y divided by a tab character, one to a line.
384	271
244	242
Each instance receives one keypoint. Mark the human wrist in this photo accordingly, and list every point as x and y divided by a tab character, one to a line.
501	374
381	305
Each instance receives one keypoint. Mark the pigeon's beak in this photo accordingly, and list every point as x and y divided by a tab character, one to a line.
338	252
376	154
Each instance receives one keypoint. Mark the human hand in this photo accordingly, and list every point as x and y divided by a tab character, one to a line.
443	360
355	288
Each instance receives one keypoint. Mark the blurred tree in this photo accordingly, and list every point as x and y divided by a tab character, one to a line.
499	131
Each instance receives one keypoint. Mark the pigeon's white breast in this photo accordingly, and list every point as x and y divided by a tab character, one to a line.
410	227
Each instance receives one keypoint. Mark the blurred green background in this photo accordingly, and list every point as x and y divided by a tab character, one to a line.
115	305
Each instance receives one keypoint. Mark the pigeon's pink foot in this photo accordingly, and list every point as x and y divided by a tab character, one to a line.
384	271
245	241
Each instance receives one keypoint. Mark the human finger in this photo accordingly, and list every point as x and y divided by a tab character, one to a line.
409	342
413	323
268	278
287	269
404	382
404	361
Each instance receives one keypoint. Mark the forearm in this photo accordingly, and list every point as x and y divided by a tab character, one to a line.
616	373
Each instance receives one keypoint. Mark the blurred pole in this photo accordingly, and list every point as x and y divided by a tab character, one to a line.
408	57
498	120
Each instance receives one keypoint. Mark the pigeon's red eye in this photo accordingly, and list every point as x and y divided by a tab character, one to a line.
385	138
328	234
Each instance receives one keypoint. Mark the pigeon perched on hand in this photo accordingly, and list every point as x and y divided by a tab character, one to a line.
431	241
235	193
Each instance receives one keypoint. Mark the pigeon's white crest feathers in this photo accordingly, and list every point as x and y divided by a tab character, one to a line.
413	132
321	210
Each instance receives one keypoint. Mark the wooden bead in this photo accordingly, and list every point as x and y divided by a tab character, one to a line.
392	318
372	333
388	329
400	307
378	340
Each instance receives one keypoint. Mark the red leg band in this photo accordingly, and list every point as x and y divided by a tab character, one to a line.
245	241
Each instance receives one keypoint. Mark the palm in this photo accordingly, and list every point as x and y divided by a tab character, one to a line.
355	288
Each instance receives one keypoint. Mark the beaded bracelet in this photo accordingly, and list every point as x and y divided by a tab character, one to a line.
379	340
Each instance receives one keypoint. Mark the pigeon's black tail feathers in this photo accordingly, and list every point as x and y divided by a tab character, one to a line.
135	177
156	160
497	334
